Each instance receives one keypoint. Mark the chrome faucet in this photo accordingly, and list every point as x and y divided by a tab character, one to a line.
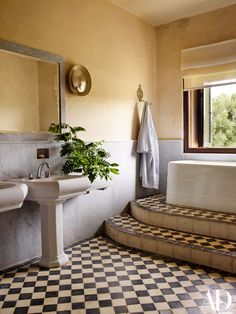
39	171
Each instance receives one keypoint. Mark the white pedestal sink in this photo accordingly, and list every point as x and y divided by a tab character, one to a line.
50	193
12	195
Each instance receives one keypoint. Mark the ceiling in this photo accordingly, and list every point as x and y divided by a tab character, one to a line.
158	12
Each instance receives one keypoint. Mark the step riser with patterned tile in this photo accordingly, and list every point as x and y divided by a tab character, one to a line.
193	225
198	254
156	212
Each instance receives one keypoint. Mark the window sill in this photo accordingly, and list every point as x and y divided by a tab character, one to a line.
202	150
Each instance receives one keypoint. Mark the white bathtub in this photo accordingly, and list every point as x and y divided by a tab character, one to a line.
202	184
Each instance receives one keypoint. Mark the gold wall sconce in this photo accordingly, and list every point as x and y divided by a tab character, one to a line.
79	80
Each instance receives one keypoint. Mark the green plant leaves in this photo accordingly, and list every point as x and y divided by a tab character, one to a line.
91	158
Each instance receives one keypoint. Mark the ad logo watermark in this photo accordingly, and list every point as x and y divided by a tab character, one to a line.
220	300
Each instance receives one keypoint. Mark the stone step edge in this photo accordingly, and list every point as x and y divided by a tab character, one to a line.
135	203
202	248
182	252
195	225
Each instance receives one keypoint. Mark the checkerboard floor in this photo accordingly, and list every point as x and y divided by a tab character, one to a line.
130	225
158	203
103	277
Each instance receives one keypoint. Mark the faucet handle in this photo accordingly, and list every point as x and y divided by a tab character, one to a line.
47	174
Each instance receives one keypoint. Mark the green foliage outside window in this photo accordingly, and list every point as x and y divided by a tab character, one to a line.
224	121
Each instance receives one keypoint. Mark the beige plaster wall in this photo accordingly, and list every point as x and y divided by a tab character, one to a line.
203	29
18	93
117	48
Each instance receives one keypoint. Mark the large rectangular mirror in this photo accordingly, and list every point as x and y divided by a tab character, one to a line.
31	89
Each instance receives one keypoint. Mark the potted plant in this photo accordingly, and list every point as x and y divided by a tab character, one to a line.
89	158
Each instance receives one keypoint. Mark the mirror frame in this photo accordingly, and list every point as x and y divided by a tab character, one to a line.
41	56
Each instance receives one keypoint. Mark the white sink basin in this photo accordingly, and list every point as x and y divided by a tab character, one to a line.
50	193
12	195
56	187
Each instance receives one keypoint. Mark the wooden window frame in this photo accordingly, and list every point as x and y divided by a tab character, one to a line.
199	150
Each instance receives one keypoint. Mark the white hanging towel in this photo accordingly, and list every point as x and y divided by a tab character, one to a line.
147	146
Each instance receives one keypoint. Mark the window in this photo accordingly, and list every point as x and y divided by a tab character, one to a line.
210	117
209	97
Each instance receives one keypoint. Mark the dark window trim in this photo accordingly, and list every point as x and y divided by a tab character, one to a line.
198	150
200	114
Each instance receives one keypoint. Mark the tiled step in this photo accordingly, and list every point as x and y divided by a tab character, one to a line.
156	212
203	250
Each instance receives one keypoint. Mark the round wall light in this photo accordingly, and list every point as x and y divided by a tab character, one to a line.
79	80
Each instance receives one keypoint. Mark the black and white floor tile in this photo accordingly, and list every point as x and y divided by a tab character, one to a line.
104	278
158	203
131	225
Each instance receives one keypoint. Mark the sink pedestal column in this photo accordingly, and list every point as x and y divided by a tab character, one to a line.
52	234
